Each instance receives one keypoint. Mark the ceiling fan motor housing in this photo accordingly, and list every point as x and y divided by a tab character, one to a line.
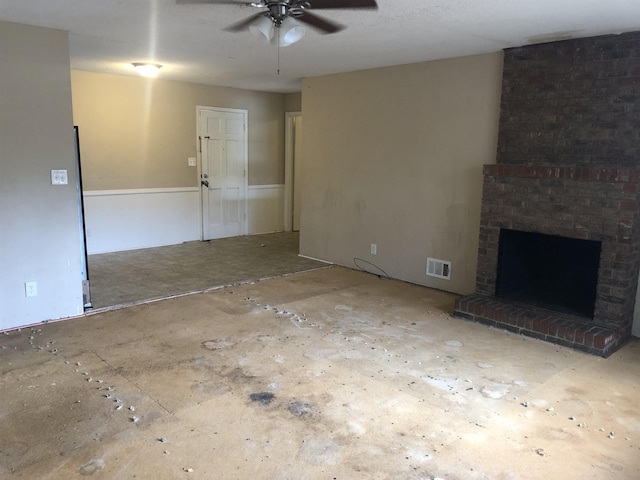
278	11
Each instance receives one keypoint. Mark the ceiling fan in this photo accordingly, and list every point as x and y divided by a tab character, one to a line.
274	20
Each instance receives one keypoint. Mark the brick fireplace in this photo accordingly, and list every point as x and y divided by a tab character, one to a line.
567	166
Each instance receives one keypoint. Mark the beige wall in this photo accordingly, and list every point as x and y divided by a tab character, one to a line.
293	102
139	133
394	157
39	229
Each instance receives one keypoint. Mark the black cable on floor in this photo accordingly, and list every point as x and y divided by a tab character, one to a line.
356	260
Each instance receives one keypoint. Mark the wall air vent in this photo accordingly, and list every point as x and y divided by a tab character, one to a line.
438	268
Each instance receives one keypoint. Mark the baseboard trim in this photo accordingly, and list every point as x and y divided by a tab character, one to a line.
316	259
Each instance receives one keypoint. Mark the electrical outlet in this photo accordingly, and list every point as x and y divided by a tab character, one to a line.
374	249
31	289
59	177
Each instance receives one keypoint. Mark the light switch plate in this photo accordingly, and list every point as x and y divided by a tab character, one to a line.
59	177
191	161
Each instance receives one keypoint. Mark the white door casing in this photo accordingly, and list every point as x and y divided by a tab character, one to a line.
297	178
293	149
222	134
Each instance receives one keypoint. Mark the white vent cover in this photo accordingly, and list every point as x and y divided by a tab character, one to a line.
438	268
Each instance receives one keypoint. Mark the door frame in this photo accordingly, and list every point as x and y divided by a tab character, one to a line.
84	259
245	118
289	141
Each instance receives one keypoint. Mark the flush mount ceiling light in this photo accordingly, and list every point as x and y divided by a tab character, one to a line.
147	69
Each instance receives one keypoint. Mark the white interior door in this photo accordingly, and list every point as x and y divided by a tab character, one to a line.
223	139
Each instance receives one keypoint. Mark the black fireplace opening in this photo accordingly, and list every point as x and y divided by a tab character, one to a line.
558	273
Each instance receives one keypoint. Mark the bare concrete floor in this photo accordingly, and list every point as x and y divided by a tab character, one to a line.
327	374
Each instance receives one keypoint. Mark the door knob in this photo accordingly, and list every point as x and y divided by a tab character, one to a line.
204	183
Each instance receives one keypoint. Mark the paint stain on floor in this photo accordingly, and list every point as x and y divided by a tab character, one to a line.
263	398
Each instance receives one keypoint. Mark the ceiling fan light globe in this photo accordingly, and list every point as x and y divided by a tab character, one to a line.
289	32
264	27
292	36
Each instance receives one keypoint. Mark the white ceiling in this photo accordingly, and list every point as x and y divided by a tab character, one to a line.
190	43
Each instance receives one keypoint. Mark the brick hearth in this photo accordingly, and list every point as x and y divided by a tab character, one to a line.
555	327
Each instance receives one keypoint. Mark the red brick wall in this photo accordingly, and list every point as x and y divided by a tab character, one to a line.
568	158
568	164
575	102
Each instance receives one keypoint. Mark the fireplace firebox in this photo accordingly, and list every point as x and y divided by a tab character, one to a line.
557	255
550	271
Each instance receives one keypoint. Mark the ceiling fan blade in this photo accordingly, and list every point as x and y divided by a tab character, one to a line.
323	4
320	23
228	2
236	27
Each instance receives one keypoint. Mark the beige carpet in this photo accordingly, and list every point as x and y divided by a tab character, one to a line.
327	374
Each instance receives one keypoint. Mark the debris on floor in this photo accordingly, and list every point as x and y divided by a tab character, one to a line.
330	374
